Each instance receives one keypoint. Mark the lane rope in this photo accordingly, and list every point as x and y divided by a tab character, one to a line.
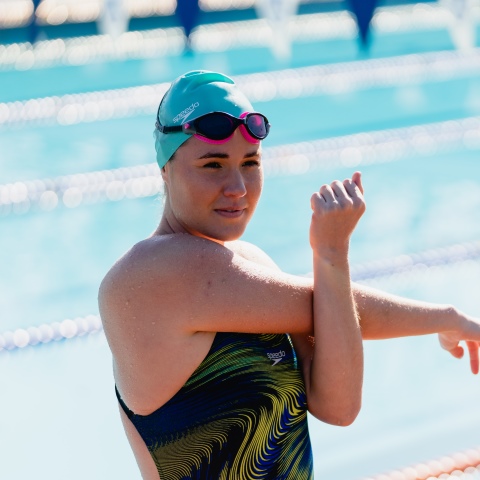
348	151
459	466
205	38
401	71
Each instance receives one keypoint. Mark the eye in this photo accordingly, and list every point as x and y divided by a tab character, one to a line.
252	163
212	165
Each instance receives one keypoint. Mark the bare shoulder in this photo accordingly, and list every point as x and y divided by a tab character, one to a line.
156	262
164	259
159	278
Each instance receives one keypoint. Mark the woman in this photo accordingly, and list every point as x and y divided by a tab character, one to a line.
210	384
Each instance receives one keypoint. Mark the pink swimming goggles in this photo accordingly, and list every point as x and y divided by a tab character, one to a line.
218	127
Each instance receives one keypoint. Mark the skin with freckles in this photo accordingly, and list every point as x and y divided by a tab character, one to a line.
193	277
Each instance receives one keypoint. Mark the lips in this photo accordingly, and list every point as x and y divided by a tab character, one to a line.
230	212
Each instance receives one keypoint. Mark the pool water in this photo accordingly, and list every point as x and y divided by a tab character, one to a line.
60	416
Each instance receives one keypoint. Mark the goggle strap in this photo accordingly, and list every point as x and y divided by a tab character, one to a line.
164	129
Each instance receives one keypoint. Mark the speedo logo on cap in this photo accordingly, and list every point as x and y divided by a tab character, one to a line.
183	115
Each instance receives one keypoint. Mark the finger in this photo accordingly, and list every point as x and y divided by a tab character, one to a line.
327	193
353	190
319	199
457	351
474	359
446	342
357	179
340	192
316	200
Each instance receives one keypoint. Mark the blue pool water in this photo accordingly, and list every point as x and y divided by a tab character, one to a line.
60	417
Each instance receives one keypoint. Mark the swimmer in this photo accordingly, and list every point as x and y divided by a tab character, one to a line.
218	354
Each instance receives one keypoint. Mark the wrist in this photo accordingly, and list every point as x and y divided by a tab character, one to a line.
331	256
453	319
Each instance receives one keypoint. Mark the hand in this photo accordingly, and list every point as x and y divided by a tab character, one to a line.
468	331
336	210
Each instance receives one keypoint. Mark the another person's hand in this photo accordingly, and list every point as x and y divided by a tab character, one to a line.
468	330
336	210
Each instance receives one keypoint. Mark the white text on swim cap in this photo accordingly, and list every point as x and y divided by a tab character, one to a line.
183	115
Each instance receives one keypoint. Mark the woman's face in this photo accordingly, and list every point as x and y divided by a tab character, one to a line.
213	190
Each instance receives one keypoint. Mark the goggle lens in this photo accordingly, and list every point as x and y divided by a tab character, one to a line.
257	125
219	125
215	126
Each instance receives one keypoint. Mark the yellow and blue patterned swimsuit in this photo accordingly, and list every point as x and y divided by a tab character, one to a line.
242	415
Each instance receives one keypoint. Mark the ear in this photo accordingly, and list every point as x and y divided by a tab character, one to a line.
164	173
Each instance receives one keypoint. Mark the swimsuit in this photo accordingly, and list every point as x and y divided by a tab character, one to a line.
242	415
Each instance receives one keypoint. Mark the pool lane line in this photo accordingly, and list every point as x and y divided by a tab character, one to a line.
19	13
408	264
349	151
157	43
339	78
463	465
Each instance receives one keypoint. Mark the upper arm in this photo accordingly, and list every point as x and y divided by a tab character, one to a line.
194	285
224	291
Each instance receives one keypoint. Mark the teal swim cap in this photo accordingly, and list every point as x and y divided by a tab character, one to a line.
189	97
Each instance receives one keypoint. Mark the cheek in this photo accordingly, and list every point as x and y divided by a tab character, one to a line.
254	193
256	184
177	196
188	199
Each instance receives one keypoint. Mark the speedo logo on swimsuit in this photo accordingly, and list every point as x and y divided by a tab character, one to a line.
183	115
276	357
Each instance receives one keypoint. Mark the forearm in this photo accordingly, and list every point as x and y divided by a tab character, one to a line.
336	374
383	315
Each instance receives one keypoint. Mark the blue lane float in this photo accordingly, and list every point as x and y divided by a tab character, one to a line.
188	14
363	10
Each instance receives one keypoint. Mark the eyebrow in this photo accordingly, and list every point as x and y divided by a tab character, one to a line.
225	155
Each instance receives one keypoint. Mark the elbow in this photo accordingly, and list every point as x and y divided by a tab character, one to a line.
348	417
338	415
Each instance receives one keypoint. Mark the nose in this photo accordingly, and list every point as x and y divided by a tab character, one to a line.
235	184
